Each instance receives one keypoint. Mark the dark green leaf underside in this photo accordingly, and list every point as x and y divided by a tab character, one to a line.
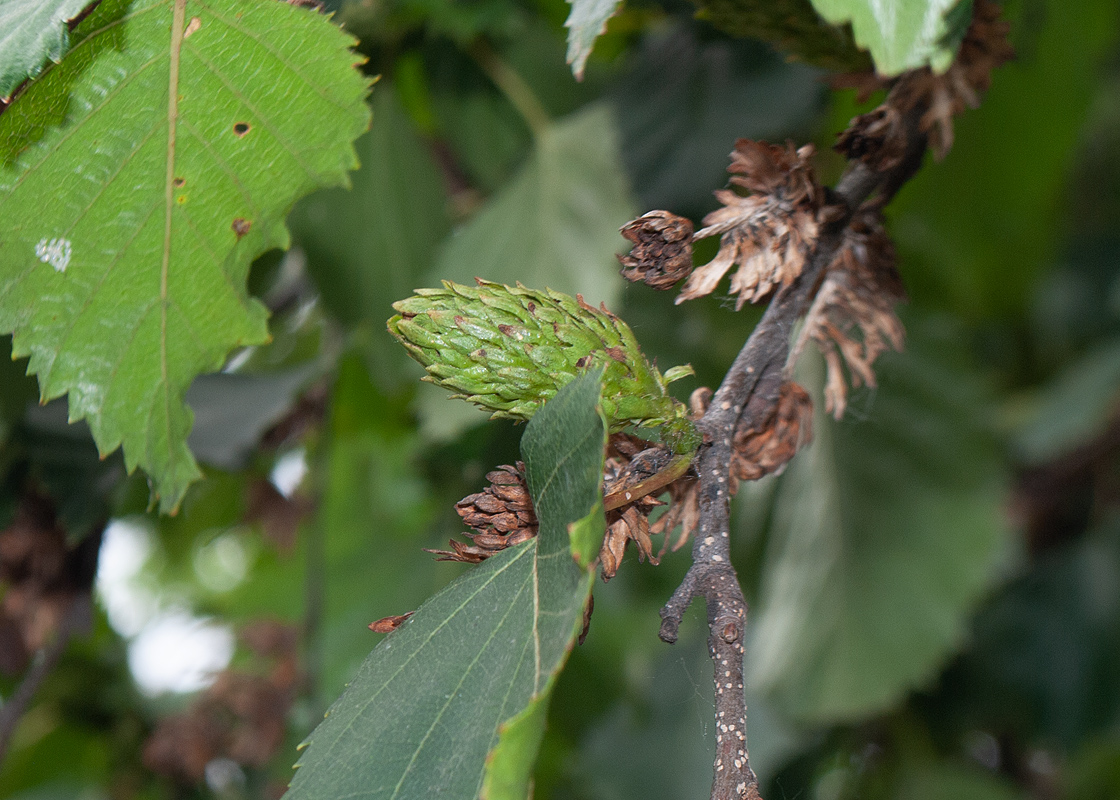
434	699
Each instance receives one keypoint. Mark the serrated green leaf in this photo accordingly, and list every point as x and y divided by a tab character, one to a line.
470	671
32	32
886	531
128	221
899	35
586	22
555	224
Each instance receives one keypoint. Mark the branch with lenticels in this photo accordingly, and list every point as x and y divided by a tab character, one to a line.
816	254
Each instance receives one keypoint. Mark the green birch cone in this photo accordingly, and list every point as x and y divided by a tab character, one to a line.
510	349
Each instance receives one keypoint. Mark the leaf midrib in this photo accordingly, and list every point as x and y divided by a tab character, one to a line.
178	23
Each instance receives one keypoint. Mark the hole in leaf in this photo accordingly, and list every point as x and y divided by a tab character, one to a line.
241	226
241	128
178	181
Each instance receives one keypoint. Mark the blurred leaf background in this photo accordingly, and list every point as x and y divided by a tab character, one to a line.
935	584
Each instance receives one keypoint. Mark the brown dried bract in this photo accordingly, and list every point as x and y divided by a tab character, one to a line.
630	461
684	511
768	233
769	447
389	624
984	48
662	253
860	290
877	138
501	515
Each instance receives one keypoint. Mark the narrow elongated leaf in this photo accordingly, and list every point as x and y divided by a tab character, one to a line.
140	178
586	22
32	32
885	533
901	35
453	701
555	225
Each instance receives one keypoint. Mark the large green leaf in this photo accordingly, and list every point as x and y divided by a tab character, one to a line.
128	220
31	33
555	224
453	702
885	533
903	34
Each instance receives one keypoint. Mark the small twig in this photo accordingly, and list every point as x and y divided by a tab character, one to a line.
748	394
76	619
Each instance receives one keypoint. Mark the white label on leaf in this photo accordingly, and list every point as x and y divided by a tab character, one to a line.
55	252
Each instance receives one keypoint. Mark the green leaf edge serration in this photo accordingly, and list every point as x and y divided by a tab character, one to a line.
509	349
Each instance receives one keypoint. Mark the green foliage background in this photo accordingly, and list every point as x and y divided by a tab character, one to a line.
935	585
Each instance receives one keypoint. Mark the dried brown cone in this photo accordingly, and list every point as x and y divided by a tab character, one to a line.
940	97
662	252
501	515
877	138
860	290
768	233
768	448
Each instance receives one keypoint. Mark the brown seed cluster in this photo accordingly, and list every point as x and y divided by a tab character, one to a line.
501	516
768	233
860	290
662	253
242	716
